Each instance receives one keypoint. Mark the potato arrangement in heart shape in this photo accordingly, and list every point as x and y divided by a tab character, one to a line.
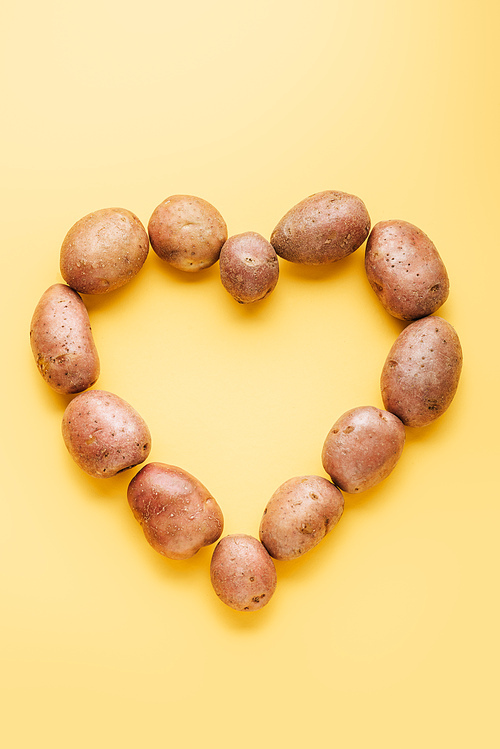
105	435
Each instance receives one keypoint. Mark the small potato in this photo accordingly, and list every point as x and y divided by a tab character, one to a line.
62	342
299	514
405	270
362	448
421	373
323	228
249	267
242	573
177	514
103	251
187	232
104	434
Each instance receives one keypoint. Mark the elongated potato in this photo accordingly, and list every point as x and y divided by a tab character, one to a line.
242	573
62	342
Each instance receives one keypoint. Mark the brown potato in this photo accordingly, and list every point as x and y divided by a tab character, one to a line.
187	232
177	513
242	573
362	448
103	251
405	270
323	228
299	514
62	342
421	373
249	267
104	434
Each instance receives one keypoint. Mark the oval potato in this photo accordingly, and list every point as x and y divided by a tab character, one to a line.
249	267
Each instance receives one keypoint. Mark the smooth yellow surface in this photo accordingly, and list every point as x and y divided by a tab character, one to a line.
386	635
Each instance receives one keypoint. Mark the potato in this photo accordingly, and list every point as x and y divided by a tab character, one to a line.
323	228
362	448
103	251
421	373
177	513
104	434
298	515
242	573
405	270
62	342
187	232
249	267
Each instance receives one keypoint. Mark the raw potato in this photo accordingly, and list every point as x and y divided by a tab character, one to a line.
242	573
187	232
405	270
62	342
249	267
177	513
362	448
421	373
103	251
323	228
104	434
299	514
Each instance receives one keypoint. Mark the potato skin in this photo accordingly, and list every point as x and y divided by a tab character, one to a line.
62	342
103	251
187	232
242	573
104	434
249	267
299	514
405	270
421	373
362	448
323	228
177	513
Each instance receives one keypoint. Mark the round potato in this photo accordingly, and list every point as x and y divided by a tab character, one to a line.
362	448
62	342
177	513
103	251
405	270
323	228
104	434
299	514
249	267
187	232
421	373
242	573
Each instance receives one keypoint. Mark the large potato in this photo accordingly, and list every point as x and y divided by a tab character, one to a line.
421	373
62	342
104	434
405	270
103	251
299	514
249	267
242	573
362	448
187	232
323	228
177	513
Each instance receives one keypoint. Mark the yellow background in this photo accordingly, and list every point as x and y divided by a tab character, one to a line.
387	633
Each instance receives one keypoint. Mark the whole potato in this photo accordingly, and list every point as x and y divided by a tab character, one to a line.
299	514
421	373
323	228
242	573
362	448
405	270
103	251
177	513
187	232
104	434
62	342
249	267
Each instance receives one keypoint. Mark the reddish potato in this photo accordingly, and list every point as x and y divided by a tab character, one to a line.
242	573
249	267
